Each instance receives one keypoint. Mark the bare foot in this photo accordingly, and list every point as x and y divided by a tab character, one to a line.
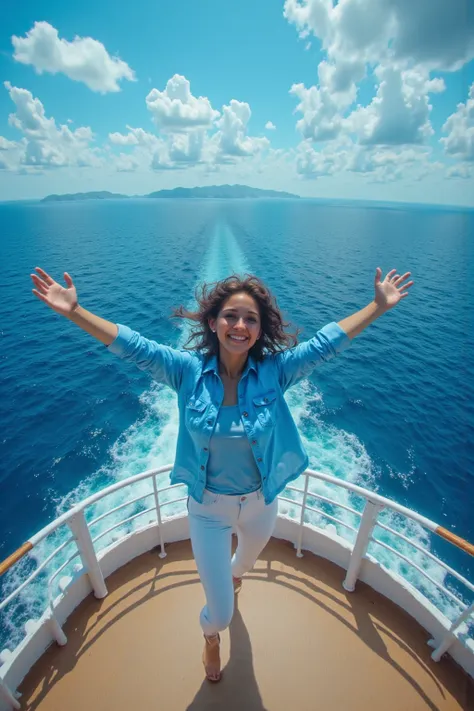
211	657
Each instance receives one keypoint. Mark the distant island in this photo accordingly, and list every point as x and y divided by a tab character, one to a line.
213	191
100	195
221	191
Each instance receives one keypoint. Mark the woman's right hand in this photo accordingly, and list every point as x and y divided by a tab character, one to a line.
61	300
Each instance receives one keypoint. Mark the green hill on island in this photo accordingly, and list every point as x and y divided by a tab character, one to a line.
213	191
100	195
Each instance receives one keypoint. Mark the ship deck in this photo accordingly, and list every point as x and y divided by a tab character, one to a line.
297	640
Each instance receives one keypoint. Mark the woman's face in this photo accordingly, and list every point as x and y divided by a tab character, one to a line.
238	323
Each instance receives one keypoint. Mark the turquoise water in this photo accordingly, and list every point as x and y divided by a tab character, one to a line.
395	412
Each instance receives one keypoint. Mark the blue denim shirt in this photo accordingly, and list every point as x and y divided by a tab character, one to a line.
268	423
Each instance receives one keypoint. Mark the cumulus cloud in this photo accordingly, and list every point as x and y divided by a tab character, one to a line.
45	144
176	109
461	170
270	126
187	148
374	163
121	139
460	129
232	139
323	106
403	40
315	164
185	144
437	34
11	153
126	163
321	120
84	59
399	113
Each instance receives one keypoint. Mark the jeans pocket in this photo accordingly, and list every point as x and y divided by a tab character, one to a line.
209	498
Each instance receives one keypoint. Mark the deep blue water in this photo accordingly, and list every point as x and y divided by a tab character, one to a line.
394	412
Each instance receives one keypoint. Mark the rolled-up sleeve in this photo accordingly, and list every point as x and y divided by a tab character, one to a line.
297	363
165	364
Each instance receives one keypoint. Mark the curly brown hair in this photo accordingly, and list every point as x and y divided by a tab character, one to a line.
210	299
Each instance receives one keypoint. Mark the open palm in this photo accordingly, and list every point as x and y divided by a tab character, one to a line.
61	300
391	290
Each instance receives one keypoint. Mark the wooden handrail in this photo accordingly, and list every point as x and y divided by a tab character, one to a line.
456	540
15	557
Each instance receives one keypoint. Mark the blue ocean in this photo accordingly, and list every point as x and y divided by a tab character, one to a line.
394	412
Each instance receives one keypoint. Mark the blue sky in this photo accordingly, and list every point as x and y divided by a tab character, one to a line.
369	99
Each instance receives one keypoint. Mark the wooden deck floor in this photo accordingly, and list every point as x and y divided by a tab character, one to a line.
298	641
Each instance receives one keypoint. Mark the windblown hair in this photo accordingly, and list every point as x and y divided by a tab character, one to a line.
210	299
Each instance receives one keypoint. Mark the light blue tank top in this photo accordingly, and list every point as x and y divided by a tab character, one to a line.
231	467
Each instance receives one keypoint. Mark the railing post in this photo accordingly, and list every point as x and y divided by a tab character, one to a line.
303	506
8	696
366	527
449	637
56	629
162	554
78	526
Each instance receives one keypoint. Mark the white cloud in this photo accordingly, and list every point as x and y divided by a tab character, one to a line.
44	143
84	59
323	106
460	129
399	113
321	120
187	148
125	163
176	109
437	34
121	139
11	153
270	126
315	164
403	40
461	170
232	139
180	148
374	163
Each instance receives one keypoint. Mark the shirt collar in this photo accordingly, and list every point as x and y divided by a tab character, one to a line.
212	364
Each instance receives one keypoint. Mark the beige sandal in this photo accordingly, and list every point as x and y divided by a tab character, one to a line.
237	585
213	669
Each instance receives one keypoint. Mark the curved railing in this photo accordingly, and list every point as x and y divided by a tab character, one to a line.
374	503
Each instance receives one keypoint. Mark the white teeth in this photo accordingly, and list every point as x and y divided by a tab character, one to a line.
238	338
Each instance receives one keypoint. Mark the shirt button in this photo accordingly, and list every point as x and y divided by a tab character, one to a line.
245	414
265	399
258	460
254	441
205	449
202	468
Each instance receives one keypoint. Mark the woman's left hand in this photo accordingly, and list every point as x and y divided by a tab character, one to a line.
391	290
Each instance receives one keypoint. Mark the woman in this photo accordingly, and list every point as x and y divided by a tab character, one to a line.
238	446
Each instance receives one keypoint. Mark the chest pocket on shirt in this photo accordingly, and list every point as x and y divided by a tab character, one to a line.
265	408
195	413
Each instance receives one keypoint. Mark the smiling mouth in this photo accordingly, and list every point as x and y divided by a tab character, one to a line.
238	339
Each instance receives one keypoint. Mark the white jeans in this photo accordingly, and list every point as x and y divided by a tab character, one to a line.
211	525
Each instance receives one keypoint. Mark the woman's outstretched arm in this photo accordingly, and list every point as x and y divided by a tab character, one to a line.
166	365
64	302
298	362
388	293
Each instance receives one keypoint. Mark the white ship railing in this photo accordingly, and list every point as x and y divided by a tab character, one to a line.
374	503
